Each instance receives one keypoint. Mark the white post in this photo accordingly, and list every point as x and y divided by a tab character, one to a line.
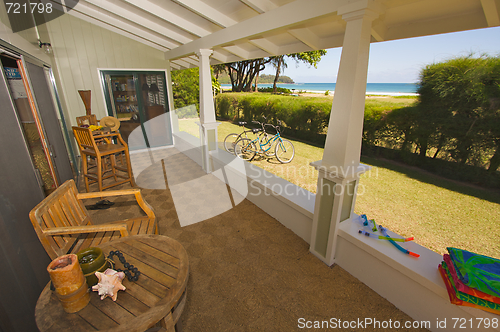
340	169
208	125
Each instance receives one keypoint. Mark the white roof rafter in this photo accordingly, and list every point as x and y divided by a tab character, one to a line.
307	37
265	45
208	12
260	6
491	10
246	29
238	51
177	20
292	13
135	18
90	14
219	56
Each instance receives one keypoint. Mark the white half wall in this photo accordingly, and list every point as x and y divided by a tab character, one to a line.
413	285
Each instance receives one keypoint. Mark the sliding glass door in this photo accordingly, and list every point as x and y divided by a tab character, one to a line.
139	100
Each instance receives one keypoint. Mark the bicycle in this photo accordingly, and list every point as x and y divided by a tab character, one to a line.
284	150
231	139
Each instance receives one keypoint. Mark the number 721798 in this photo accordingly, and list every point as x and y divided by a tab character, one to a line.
462	323
17	8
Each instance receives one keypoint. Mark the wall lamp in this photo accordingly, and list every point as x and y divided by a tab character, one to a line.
47	48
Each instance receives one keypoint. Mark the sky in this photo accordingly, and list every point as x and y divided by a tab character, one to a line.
400	61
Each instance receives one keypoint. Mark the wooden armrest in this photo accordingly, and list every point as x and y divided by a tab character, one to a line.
134	191
122	228
112	134
110	193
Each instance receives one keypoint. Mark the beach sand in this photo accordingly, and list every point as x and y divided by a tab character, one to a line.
322	95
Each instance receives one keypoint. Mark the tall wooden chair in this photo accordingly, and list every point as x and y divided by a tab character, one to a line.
89	148
86	120
64	226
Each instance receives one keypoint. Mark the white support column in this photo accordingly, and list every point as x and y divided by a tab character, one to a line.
339	171
208	125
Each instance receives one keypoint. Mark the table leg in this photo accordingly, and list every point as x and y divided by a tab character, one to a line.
168	323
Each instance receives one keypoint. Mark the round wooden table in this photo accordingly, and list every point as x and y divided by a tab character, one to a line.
158	296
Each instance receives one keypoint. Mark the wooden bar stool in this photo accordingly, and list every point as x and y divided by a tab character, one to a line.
89	148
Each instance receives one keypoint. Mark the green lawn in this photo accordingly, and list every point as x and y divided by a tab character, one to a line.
438	212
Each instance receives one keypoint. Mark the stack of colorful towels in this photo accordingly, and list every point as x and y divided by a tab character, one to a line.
471	279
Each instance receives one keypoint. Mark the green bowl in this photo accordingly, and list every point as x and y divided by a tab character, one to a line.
92	260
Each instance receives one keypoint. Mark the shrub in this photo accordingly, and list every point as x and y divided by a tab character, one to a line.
187	112
279	90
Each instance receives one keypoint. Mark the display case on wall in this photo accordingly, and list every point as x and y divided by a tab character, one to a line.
125	97
136	98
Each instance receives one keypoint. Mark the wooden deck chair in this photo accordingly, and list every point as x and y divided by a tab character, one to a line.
64	226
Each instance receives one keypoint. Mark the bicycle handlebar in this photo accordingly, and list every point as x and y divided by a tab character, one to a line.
277	128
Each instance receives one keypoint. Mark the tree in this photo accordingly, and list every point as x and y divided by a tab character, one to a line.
279	62
458	107
218	69
452	100
186	87
490	124
242	73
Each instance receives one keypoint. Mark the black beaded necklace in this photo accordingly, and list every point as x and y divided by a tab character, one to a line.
129	267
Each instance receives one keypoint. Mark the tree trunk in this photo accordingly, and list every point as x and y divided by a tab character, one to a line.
423	148
442	139
495	160
256	81
465	145
278	70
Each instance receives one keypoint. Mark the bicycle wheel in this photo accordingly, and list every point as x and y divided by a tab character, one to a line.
245	149
284	151
230	141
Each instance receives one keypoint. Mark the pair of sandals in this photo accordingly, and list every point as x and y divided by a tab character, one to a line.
103	204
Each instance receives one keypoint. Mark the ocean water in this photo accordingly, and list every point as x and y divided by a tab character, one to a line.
392	89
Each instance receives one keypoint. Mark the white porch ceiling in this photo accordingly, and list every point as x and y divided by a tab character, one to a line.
247	29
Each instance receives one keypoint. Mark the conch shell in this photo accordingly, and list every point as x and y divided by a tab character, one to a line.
110	282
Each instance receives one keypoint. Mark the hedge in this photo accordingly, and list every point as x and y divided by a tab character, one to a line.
302	117
388	130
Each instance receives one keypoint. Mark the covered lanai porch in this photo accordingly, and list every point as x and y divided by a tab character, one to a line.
326	221
248	272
